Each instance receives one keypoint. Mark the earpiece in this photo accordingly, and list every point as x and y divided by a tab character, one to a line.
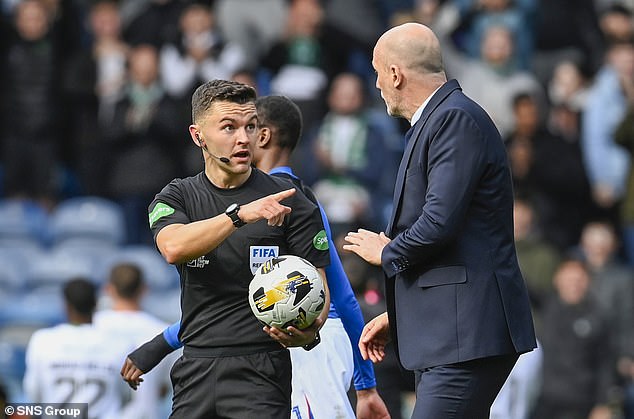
225	160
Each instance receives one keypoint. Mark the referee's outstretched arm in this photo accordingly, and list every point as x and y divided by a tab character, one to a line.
179	243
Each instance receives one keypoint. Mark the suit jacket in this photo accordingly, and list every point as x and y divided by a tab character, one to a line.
454	288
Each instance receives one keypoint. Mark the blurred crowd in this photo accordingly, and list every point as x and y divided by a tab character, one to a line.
95	102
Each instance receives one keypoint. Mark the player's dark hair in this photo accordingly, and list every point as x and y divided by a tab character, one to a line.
283	114
81	295
219	90
127	280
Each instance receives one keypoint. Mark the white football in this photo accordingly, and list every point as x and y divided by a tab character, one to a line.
287	291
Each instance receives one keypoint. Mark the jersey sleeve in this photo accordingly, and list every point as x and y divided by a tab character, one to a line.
32	374
305	231
167	208
151	353
342	295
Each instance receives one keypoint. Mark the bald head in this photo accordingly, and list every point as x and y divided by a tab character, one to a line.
412	46
408	65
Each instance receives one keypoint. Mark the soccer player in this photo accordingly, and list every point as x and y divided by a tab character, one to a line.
321	377
126	321
75	362
213	227
518	396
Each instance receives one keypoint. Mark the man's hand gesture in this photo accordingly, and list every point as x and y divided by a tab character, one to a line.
268	207
374	337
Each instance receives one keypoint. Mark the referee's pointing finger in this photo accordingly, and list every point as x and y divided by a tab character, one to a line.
283	195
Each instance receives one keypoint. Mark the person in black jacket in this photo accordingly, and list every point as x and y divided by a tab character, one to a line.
577	367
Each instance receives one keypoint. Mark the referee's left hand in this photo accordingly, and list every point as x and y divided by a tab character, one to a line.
292	336
131	374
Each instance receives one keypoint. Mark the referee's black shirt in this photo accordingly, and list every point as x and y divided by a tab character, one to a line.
214	287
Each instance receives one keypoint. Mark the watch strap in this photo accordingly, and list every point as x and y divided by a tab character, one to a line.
235	218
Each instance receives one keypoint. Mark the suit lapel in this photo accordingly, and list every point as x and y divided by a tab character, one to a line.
402	169
414	134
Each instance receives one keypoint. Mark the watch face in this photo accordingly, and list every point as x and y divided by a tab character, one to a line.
232	207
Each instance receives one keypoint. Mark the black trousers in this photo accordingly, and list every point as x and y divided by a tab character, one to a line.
465	390
232	387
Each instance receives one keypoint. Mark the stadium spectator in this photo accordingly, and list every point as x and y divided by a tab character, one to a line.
520	143
360	20
476	16
624	137
302	63
607	164
563	198
566	30
492	79
538	258
568	86
347	148
574	334
246	76
141	143
254	25
198	54
153	22
108	54
94	81
124	320
66	23
75	362
206	224
547	168
615	21
612	286
32	111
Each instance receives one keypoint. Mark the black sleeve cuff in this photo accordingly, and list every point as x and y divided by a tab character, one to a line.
314	343
151	353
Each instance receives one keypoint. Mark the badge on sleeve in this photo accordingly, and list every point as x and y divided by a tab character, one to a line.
320	241
160	210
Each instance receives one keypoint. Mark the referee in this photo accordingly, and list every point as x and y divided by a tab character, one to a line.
321	376
217	227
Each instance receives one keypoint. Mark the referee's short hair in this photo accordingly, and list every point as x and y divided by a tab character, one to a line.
283	114
219	91
81	295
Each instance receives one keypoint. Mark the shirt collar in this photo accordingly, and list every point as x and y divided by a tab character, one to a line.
282	169
420	110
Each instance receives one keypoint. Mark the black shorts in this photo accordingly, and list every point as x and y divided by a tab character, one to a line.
237	387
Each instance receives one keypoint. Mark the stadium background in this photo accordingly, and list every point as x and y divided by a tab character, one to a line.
94	113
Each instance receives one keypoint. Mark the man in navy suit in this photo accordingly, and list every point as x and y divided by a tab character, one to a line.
458	310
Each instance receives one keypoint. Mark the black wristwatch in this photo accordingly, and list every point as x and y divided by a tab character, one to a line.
314	343
232	212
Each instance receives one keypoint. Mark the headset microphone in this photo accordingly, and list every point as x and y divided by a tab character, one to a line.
225	160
